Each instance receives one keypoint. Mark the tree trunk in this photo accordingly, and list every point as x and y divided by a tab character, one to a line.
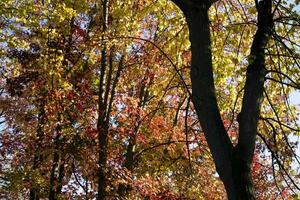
204	98
56	167
102	182
243	185
61	175
233	164
129	160
34	191
102	125
52	191
56	182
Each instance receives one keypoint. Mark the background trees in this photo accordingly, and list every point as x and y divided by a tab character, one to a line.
96	96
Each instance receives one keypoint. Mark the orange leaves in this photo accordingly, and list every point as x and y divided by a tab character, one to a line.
151	188
159	127
51	98
256	166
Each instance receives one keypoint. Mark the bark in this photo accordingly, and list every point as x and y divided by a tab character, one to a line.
57	168
233	164
124	188
102	126
56	182
203	93
52	190
130	162
61	175
102	180
253	96
34	191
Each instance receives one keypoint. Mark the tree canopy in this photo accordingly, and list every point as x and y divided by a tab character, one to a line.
164	99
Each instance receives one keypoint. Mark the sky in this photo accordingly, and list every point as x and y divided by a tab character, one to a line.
295	100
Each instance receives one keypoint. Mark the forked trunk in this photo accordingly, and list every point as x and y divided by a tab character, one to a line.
232	163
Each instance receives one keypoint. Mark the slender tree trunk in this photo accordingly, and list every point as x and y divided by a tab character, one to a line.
34	191
102	180
102	126
57	170
61	175
52	190
56	184
129	160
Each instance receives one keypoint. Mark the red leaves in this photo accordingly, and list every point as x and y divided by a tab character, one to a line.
159	127
110	19
256	167
79	106
78	34
91	133
70	95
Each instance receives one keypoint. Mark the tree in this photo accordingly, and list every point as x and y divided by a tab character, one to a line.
233	163
96	99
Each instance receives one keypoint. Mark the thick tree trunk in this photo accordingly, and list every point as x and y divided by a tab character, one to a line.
204	98
243	186
253	97
232	163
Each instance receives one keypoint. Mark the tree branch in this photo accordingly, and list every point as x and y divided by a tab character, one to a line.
254	86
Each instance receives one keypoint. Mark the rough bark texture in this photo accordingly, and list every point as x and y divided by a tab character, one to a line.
232	163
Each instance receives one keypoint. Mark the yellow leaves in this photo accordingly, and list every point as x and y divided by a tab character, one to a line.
22	20
66	85
147	95
93	57
38	179
252	11
62	13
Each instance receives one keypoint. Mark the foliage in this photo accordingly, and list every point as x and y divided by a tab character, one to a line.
78	78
